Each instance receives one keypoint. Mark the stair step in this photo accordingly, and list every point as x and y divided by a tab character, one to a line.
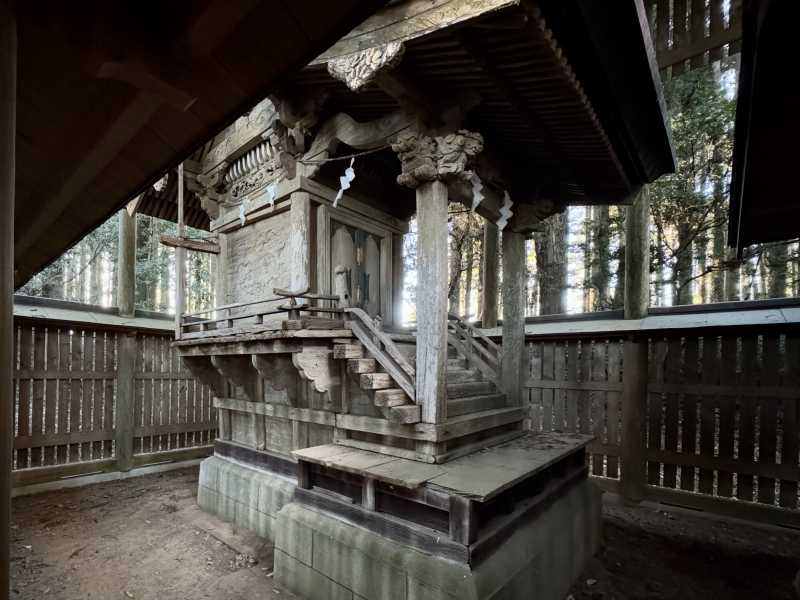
348	351
457	363
376	381
361	365
408	413
470	388
471	404
463	375
390	398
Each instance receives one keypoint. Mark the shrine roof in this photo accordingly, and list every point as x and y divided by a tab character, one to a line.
565	92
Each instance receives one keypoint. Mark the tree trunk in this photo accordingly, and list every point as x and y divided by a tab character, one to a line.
619	291
701	252
682	291
455	275
601	271
551	264
777	257
588	255
732	277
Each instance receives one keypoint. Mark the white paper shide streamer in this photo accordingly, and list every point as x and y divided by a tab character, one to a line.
477	191
271	191
345	181
505	212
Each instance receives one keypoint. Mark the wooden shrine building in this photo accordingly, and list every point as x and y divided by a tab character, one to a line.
392	463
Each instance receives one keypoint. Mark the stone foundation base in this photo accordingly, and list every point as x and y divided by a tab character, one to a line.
248	497
322	557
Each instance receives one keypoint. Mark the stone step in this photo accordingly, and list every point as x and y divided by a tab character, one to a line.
390	397
361	365
471	404
463	375
376	381
348	351
470	388
406	414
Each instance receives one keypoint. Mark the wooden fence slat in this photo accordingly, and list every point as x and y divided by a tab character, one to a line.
535	375
768	416
671	371
791	421
747	415
598	373
559	396
727	416
614	405
51	395
76	389
698	29
109	390
548	369
24	337
572	397
711	374
87	392
657	356
37	412
679	32
691	379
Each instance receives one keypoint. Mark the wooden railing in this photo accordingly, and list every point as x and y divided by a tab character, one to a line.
383	349
721	415
230	317
102	394
478	349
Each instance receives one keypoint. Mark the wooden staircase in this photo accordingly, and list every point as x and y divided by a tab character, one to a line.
385	369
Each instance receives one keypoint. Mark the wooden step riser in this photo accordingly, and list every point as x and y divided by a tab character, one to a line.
357	366
390	398
465	406
344	351
376	381
472	388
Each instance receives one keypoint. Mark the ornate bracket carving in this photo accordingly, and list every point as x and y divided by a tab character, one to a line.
315	365
425	158
360	68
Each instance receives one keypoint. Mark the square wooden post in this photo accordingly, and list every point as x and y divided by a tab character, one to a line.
432	280
126	264
299	243
513	316
633	470
8	134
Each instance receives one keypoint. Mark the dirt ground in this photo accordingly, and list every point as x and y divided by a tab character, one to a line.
145	538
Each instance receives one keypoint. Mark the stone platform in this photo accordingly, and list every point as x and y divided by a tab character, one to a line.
320	556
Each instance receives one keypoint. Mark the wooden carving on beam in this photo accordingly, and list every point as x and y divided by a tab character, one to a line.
425	158
315	365
360	68
342	128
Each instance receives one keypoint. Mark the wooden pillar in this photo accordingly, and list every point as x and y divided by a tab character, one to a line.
126	264
8	133
397	280
491	268
513	315
634	372
180	262
123	428
299	243
432	300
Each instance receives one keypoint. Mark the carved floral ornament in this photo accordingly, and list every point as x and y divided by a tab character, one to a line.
426	158
360	68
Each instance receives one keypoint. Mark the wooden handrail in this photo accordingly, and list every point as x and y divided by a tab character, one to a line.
384	350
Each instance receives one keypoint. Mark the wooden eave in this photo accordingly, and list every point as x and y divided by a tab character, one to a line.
536	114
111	95
762	207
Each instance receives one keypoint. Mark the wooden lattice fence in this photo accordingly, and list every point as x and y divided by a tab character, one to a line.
70	417
722	413
688	34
